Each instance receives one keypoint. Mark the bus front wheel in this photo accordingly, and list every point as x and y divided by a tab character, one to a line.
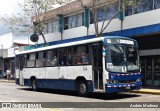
82	88
34	85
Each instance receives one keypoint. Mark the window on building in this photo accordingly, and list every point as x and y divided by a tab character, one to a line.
55	26
101	13
156	4
144	5
40	59
45	30
129	10
51	58
73	21
65	23
91	17
50	27
105	12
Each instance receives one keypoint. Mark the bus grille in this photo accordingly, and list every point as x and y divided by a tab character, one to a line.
126	81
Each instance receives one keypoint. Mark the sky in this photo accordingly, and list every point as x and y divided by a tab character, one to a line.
8	7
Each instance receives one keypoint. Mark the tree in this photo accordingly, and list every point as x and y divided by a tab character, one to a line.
99	30
22	24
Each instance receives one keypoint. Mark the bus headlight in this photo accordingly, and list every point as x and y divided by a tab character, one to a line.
138	80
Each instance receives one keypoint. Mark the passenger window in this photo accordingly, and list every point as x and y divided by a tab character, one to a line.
70	56
62	57
31	60
40	59
81	55
17	62
52	59
25	60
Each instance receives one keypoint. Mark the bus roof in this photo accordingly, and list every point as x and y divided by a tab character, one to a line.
72	44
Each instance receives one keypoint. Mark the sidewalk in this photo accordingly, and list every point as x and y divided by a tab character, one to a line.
9	81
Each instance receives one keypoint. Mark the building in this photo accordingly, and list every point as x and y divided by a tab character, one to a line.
72	22
9	45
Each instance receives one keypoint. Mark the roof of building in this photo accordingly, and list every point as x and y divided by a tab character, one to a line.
69	8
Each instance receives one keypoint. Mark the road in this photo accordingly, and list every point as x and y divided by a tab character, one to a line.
10	92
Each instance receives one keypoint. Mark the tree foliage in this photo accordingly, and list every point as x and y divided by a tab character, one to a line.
21	23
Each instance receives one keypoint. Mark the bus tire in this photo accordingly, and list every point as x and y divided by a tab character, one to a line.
34	85
82	88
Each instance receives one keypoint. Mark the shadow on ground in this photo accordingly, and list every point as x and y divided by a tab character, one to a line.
101	96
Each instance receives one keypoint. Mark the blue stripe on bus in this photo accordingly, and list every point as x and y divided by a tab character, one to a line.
64	84
114	76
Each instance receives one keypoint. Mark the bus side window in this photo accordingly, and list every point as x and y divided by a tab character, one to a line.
31	60
40	59
25	60
70	56
90	54
51	58
17	62
62	57
82	55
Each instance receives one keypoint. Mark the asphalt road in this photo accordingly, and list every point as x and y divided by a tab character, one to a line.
10	92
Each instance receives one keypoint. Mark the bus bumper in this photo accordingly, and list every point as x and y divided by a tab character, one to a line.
111	88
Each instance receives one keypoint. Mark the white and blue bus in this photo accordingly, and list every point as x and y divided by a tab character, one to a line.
105	64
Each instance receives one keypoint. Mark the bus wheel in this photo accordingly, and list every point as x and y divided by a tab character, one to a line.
82	88
34	85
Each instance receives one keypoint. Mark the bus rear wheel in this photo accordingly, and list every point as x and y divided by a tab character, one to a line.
34	85
82	88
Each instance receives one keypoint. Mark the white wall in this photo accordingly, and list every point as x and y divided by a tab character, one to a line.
142	19
132	21
50	37
75	32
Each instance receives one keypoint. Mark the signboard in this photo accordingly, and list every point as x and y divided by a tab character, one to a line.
11	52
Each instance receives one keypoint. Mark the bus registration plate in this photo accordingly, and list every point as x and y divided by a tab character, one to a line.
128	87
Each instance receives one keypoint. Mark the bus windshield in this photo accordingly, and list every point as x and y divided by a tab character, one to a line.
122	58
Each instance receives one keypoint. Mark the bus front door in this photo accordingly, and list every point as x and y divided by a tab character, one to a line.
97	67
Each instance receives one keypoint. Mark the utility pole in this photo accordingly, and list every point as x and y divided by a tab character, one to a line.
2	62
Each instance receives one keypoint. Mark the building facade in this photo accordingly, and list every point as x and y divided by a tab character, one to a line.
72	22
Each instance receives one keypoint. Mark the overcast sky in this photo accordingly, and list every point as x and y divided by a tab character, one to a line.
8	7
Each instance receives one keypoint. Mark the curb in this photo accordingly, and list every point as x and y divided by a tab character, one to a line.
9	81
147	92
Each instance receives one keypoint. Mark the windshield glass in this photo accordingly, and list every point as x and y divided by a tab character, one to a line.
121	58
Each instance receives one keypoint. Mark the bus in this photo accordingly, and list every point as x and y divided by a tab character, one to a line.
107	64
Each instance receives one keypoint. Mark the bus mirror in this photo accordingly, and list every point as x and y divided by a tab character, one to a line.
104	53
